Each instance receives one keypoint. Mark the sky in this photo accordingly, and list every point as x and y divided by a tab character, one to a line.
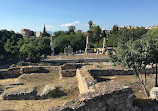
59	14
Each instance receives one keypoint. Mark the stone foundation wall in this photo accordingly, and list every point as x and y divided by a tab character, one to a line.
84	83
103	96
17	71
68	66
67	73
32	70
112	97
10	73
69	70
112	72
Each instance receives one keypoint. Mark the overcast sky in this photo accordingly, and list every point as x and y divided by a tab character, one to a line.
59	14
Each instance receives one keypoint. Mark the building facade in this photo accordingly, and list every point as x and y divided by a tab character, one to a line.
38	34
26	32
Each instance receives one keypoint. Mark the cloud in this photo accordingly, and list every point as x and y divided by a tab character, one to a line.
71	24
49	27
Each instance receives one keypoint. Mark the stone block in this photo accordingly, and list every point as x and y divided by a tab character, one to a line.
30	93
68	66
20	93
68	73
47	92
154	93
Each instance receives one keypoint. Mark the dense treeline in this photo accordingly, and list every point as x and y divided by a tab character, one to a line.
8	39
77	42
124	35
14	45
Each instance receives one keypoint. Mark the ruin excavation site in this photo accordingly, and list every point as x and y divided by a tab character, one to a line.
71	83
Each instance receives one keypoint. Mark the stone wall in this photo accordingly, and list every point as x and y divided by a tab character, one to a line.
17	71
84	83
25	92
32	70
102	96
67	73
68	70
112	72
110	97
10	73
68	66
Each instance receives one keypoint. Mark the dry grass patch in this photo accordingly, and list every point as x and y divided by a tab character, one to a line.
68	85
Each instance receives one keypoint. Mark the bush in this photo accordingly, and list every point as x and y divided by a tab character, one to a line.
21	63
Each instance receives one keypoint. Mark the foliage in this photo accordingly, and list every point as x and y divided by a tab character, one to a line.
113	40
21	63
45	34
137	54
96	34
71	29
118	36
115	29
90	25
8	40
77	41
33	48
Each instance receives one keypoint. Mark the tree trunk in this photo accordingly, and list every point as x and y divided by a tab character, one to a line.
143	86
156	85
153	69
145	77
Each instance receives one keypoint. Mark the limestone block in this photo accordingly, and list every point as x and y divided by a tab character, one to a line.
30	93
47	92
18	93
68	66
68	73
154	93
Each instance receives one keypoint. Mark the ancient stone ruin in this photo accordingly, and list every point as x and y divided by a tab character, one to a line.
68	50
102	50
94	94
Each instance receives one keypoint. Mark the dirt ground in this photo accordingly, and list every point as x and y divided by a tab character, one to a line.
82	56
68	85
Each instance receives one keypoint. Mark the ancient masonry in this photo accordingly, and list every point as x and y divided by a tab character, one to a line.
95	50
68	50
102	96
94	95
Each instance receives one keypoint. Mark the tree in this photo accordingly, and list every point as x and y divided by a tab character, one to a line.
32	48
90	25
71	29
96	34
56	34
60	43
44	34
137	55
115	29
31	52
2	50
130	55
77	41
